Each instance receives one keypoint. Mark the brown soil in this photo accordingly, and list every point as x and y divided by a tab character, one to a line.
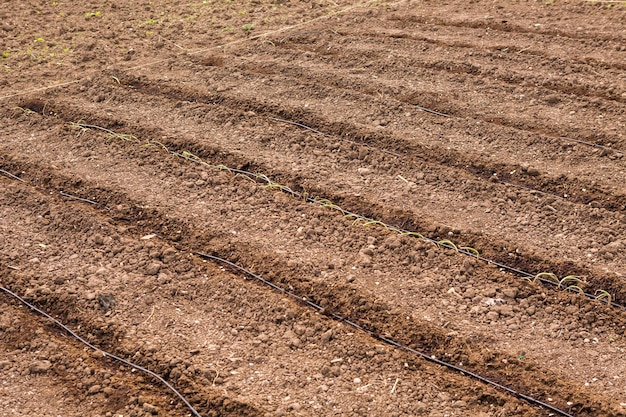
499	126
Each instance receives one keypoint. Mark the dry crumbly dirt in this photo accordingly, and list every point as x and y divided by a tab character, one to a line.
499	126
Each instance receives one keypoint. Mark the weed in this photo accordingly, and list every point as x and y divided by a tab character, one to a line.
247	27
89	15
5	55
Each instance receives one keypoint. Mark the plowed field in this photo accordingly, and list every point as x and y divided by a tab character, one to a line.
312	208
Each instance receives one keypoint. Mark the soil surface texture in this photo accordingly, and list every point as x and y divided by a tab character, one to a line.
313	208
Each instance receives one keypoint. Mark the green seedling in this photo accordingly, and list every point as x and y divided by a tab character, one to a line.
82	129
412	234
244	176
288	190
273	185
549	276
570	279
327	204
470	250
5	55
125	137
358	220
247	27
89	15
25	110
304	195
575	288
189	155
447	244
602	294
371	222
393	228
156	144
263	177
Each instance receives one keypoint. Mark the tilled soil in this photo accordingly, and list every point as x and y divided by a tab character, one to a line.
303	141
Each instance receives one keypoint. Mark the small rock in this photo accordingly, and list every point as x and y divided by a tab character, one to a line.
506	310
533	172
152	268
168	255
364	260
106	301
357	380
489	292
363	171
492	316
150	408
94	389
510	292
459	404
292	339
299	329
39	367
102	271
327	336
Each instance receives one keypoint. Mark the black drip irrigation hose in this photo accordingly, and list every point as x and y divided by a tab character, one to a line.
386	340
8	174
104	353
